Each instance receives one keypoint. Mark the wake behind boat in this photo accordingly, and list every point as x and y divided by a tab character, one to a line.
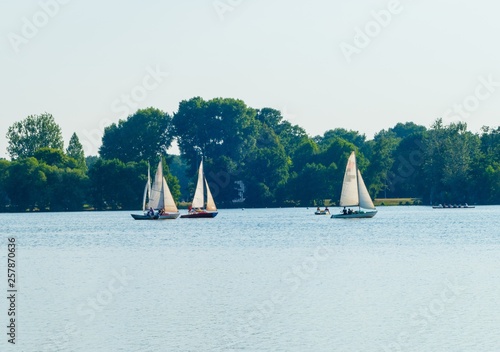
161	203
198	209
354	194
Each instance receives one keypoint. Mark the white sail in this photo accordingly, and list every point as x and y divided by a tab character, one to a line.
156	198
168	200
349	196
198	194
147	191
365	201
144	198
210	200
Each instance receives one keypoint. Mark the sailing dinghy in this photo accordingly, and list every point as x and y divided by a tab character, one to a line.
198	208
161	203
354	194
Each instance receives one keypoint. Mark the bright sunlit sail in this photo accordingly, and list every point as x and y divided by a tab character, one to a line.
354	193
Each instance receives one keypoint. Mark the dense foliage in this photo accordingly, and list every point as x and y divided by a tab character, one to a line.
34	132
252	158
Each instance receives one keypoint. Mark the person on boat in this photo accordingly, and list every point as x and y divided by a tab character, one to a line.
349	211
317	209
162	211
190	208
344	211
151	212
327	210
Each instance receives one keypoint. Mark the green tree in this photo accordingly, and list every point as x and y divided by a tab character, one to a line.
348	135
406	178
312	185
142	136
266	168
305	152
55	157
34	132
403	130
290	136
4	199
224	132
380	152
178	168
50	181
25	184
116	185
492	176
75	151
487	169
450	159
65	188
91	160
214	128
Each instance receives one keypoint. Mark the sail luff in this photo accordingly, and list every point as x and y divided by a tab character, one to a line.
147	191
365	201
156	200
199	194
149	182
144	197
349	196
210	200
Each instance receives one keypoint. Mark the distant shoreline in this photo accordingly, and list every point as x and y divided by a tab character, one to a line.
379	202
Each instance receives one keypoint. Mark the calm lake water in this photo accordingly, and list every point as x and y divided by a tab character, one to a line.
410	279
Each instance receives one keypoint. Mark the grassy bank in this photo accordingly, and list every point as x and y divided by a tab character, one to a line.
397	201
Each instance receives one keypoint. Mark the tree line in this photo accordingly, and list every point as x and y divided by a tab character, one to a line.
253	158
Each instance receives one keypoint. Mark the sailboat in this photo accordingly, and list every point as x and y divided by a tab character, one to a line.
354	194
161	203
198	208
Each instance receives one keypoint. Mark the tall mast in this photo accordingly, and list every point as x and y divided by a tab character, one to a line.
357	181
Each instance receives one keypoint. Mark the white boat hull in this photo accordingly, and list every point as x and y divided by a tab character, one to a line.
322	212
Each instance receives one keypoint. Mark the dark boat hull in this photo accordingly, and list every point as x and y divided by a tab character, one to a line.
359	215
166	216
467	207
200	215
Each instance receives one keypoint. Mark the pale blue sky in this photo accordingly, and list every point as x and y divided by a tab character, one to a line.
428	60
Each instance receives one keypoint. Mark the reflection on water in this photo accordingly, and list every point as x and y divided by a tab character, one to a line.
410	279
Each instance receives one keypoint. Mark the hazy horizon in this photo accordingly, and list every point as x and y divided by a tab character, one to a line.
363	66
